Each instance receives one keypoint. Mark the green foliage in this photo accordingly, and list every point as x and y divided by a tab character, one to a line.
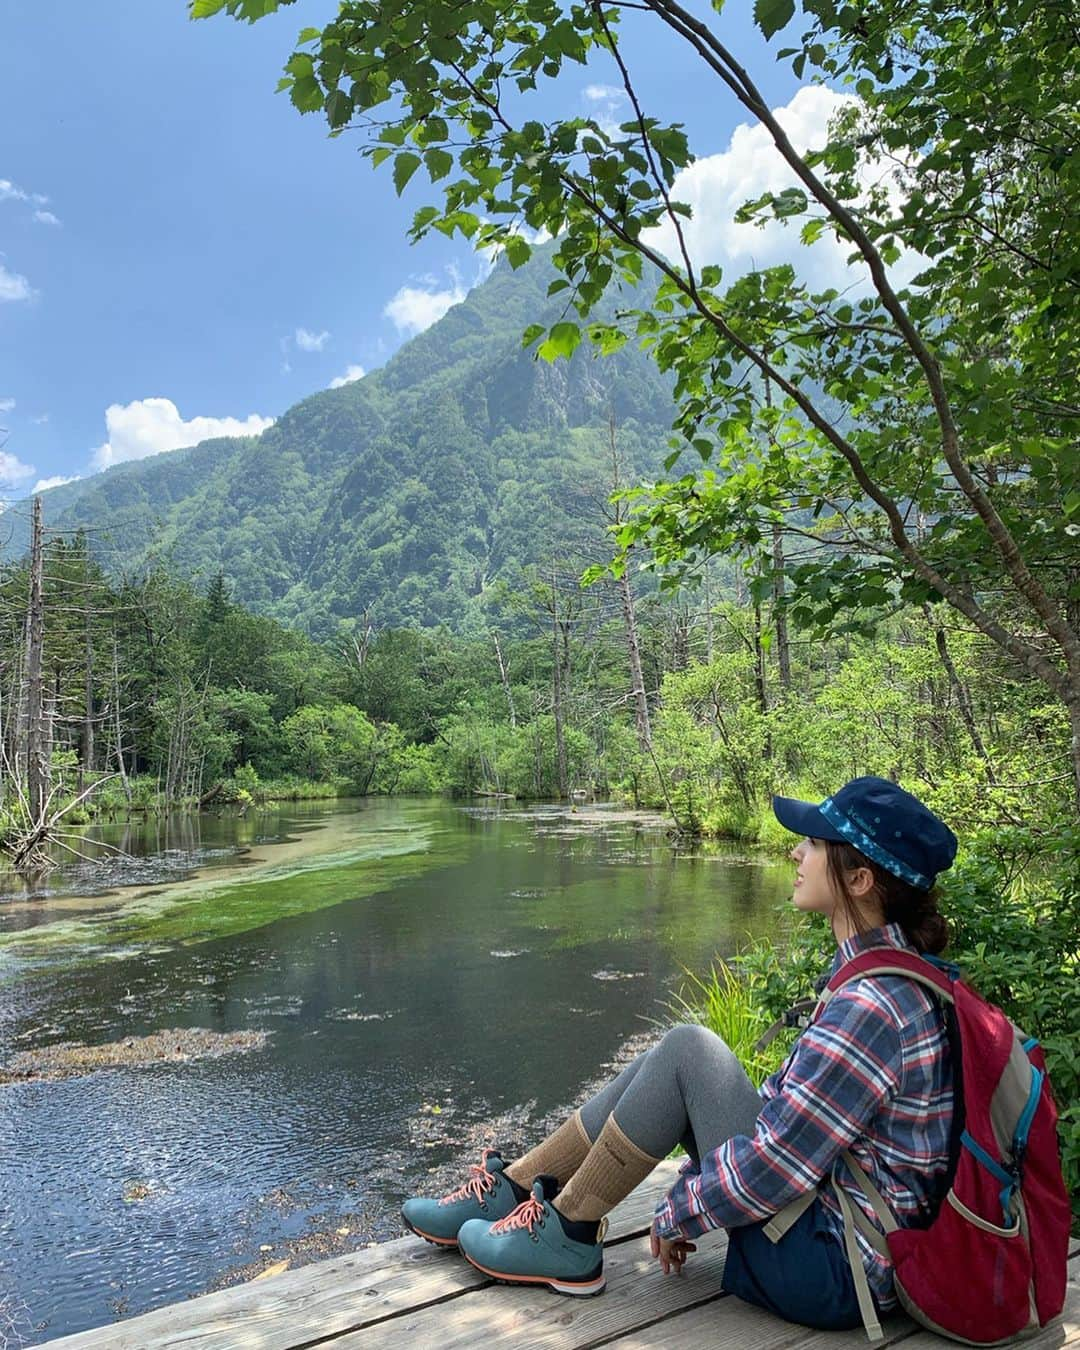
921	423
886	706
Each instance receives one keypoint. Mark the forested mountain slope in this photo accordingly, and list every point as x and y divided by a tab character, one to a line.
409	491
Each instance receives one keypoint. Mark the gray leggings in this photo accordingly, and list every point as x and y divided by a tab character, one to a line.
689	1090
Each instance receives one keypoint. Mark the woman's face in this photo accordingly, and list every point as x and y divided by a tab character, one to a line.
813	891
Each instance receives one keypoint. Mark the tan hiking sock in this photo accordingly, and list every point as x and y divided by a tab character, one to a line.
613	1167
559	1155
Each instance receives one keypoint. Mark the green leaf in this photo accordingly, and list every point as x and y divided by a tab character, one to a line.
307	94
517	250
405	165
562	340
772	15
423	218
531	333
439	163
339	109
790	202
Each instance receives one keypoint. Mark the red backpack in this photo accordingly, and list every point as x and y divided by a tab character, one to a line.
991	1263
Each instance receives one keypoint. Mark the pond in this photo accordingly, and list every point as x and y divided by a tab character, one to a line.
433	977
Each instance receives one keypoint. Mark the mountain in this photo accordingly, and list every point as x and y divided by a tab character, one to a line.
407	492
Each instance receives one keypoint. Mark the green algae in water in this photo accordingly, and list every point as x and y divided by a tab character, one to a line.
202	912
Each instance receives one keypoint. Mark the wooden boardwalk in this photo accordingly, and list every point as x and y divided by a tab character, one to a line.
409	1294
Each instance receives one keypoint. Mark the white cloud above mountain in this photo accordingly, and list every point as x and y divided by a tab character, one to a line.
150	426
351	373
58	480
13	472
412	309
46	218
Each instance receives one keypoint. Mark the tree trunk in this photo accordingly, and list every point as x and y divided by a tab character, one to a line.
88	700
626	594
1074	722
633	653
557	691
783	647
708	617
759	663
963	697
504	677
36	765
118	724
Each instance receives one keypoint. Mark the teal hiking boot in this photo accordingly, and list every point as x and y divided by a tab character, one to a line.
536	1245
486	1194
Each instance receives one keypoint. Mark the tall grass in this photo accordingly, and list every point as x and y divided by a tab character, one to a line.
726	1001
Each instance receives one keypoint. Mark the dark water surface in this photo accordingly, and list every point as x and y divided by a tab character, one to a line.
424	969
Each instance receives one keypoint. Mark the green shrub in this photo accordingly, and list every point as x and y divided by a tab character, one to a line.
246	777
416	772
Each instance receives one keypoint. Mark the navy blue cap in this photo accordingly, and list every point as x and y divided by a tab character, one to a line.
893	828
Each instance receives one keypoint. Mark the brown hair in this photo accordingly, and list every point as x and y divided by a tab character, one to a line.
915	911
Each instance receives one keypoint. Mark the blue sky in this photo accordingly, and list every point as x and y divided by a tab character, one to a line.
180	246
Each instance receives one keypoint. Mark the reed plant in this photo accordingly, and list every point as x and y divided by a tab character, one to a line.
726	1001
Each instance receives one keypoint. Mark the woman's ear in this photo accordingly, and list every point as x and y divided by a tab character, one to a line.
860	883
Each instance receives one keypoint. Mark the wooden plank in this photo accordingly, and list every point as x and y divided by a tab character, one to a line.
328	1297
730	1321
736	1323
528	1318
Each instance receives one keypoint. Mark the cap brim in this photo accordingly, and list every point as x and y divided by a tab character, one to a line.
804	818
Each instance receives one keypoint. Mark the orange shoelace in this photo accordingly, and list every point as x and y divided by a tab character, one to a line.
528	1213
476	1186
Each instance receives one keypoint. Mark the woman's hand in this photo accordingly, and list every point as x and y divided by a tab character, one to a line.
670	1252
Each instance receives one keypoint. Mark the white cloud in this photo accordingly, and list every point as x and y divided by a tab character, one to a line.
602	93
150	426
10	192
13	472
6	404
43	484
40	421
46	218
717	185
351	373
311	342
609	106
415	308
13	286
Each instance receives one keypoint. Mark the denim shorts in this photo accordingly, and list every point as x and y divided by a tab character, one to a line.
804	1278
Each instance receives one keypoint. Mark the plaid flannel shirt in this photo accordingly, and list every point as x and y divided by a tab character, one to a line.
873	1074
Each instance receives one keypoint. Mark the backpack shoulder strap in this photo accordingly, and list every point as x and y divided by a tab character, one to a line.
874	961
889	961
